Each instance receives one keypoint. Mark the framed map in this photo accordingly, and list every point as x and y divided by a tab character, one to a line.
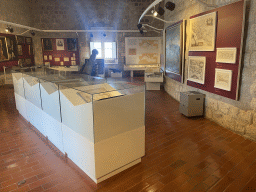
226	55
196	69
202	33
142	50
3	49
174	50
223	79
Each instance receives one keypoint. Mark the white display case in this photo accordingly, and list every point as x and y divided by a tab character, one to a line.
100	125
153	78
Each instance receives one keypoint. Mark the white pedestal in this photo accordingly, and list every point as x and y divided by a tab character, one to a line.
116	74
152	86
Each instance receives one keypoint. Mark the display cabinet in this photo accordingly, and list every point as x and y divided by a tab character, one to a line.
99	124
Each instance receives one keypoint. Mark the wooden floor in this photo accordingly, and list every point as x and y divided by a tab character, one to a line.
182	154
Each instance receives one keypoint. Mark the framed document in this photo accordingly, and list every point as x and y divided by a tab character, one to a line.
226	55
196	69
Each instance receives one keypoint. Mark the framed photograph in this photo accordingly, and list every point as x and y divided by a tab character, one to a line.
30	49
174	50
21	62
223	79
203	32
73	62
11	47
20	39
3	49
28	40
226	55
20	52
72	44
47	44
28	61
60	44
196	69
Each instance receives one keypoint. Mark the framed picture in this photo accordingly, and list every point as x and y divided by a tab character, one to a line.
21	62
3	49
174	50
20	52
223	79
20	39
72	44
196	69
60	44
28	61
11	47
47	44
202	33
30	49
226	55
28	40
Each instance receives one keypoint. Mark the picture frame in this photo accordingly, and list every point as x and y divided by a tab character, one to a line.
3	49
47	44
175	50
203	32
11	47
226	55
223	79
20	51
20	39
29	40
196	69
60	45
30	50
72	44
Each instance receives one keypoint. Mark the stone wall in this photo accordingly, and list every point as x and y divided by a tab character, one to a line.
238	116
83	15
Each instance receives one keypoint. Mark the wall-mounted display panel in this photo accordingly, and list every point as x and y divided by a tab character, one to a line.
60	51
174	50
229	35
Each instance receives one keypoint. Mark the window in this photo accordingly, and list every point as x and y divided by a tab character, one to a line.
107	50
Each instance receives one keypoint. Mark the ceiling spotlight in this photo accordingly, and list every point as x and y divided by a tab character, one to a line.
91	35
141	31
9	29
160	11
104	35
33	33
155	14
169	5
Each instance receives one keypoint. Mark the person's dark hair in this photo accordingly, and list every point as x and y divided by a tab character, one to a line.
95	52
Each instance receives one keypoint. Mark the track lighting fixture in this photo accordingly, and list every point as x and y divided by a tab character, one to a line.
160	11
9	29
104	35
140	28
169	5
33	33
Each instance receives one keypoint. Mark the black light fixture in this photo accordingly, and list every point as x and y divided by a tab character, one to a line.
160	11
33	33
169	5
104	35
9	29
91	35
140	28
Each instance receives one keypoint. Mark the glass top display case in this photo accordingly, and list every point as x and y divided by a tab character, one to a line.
99	123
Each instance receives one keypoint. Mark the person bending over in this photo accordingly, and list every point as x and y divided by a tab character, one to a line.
89	67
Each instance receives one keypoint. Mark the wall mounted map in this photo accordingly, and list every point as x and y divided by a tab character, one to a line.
196	69
223	79
142	50
226	55
174	50
202	32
